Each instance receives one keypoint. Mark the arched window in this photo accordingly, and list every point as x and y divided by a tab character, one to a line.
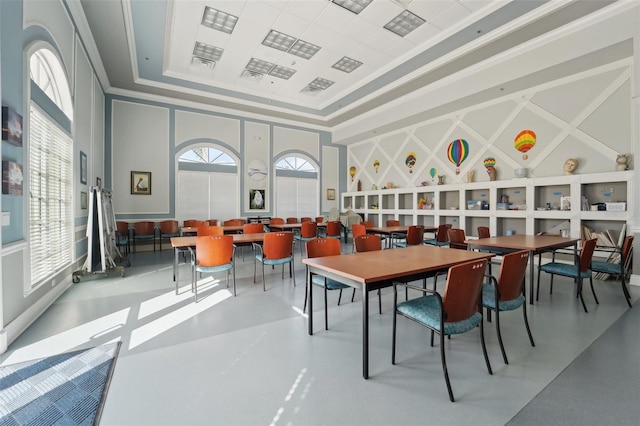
296	187
50	151
207	155
295	163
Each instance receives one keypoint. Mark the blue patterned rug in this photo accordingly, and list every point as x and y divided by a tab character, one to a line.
66	389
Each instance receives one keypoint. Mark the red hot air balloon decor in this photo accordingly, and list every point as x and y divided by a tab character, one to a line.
525	140
410	161
457	152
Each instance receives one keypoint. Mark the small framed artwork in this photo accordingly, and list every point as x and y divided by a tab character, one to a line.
141	183
331	194
83	168
11	126
99	182
11	178
83	200
256	198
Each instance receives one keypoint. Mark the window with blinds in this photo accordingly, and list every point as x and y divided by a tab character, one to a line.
50	206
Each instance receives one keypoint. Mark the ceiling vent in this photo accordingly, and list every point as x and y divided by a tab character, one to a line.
203	63
251	75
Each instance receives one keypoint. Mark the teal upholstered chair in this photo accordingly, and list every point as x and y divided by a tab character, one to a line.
276	249
442	238
213	254
144	231
414	237
320	247
507	292
308	231
458	311
168	229
620	268
579	270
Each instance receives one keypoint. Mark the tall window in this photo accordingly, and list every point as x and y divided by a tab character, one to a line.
50	172
296	188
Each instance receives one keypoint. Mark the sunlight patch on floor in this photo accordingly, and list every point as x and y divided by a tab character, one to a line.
71	339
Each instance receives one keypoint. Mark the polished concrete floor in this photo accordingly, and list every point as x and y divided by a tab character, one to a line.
248	360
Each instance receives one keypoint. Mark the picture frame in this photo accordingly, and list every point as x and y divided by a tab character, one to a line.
12	178
140	183
83	200
83	168
11	126
331	194
257	199
99	182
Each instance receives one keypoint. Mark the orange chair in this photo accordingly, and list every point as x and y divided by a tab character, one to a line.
483	232
277	249
334	229
320	247
192	223
508	292
442	238
276	221
456	238
168	229
252	228
144	231
368	242
458	311
305	219
392	222
214	222
233	222
308	231
123	236
213	253
292	220
414	237
319	219
210	230
620	268
367	223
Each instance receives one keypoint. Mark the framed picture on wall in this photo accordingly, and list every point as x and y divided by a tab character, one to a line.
141	183
331	194
11	178
83	168
11	126
99	182
83	200
257	199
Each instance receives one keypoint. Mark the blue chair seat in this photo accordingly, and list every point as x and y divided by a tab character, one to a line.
331	284
213	269
434	242
606	267
273	261
565	269
426	310
489	297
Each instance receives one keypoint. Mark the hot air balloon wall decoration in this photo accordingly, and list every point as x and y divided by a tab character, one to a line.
410	161
524	141
376	165
352	172
433	172
457	152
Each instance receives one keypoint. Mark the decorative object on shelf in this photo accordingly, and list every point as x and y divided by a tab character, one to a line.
457	152
570	166
352	172
470	176
11	126
374	186
433	172
504	198
421	203
565	203
622	162
141	183
441	179
424	183
520	173
359	185
490	164
12	178
525	140
376	165
410	161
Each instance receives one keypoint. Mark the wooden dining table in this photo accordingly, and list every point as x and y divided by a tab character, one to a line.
388	231
534	244
373	270
291	226
184	243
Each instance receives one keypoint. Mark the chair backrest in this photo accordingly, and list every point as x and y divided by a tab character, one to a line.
122	228
456	238
367	223
276	221
627	249
309	229
292	220
441	235
252	228
483	232
358	229
214	222
169	227
214	250
512	273
334	228
392	222
462	292
210	230
319	219
144	228
319	247
193	223
586	254
415	235
277	245
305	219
234	222
367	242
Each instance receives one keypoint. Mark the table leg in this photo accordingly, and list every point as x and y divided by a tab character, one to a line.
310	299
175	267
365	332
532	256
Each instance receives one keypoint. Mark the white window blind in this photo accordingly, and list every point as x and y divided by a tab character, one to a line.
296	197
207	195
50	207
